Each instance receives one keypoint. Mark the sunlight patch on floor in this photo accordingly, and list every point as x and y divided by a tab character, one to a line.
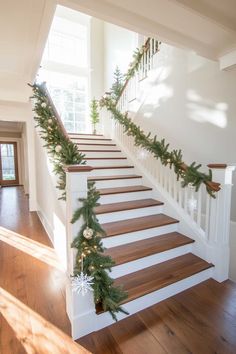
34	333
31	247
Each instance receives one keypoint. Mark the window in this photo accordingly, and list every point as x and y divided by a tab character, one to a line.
67	43
70	95
65	67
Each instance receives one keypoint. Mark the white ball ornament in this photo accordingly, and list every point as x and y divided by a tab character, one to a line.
50	121
88	233
58	148
43	105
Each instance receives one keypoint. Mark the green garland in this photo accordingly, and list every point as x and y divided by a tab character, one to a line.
61	150
95	263
64	152
190	175
160	150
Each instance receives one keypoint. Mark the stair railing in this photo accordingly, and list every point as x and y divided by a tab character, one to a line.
131	86
207	218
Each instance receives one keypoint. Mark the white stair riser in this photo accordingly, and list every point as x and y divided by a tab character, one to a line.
123	239
119	183
92	141
94	147
129	214
88	136
124	197
141	263
103	154
89	321
112	171
106	162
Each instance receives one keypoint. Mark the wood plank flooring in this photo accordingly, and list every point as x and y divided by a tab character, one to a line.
201	320
32	286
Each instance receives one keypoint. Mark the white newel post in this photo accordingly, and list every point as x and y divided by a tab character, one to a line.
219	222
77	306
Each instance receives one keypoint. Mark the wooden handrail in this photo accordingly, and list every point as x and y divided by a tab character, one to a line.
77	168
213	186
56	114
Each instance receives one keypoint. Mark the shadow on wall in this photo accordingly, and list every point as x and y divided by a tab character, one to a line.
206	111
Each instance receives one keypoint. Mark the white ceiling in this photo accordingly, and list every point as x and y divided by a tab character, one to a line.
24	26
205	26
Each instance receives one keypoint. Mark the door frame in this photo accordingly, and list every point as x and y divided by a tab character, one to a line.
16	181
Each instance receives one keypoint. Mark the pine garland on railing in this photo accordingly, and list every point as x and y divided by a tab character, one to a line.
90	249
61	150
88	241
135	63
160	150
190	175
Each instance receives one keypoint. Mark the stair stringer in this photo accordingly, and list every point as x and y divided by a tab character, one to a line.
186	226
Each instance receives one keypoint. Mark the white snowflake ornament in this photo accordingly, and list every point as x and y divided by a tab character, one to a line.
82	283
88	233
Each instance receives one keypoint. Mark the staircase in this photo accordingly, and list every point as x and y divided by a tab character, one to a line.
153	259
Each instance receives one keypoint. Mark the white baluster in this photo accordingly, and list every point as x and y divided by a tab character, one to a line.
199	207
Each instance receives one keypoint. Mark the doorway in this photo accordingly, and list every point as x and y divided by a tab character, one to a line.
8	164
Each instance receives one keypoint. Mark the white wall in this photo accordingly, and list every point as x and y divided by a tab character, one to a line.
22	112
50	210
119	45
192	104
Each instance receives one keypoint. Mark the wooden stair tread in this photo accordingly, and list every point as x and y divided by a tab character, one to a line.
85	134
137	224
139	249
87	150
156	277
161	275
114	177
92	144
104	139
111	167
105	158
133	204
128	189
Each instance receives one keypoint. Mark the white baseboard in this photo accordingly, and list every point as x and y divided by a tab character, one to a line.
46	224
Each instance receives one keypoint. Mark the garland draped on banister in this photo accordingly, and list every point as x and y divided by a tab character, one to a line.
190	175
90	259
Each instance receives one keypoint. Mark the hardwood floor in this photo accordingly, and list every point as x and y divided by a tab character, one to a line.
32	285
201	320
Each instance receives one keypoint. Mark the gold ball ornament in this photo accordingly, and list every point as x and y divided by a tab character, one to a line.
88	233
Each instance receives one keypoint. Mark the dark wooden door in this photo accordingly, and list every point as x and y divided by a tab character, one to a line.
8	164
